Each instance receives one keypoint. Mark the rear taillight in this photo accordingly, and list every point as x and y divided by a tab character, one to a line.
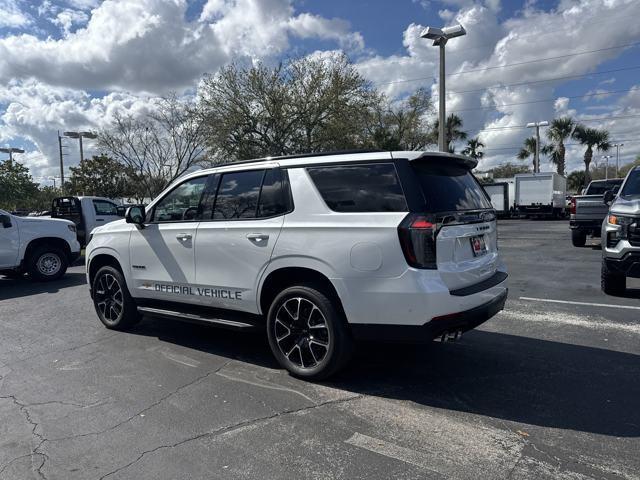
418	240
572	208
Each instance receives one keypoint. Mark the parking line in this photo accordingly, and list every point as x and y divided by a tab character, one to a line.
588	304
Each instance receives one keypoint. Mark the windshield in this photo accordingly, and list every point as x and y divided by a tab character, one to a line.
449	187
631	187
598	188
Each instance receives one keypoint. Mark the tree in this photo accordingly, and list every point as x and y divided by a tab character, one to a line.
473	149
625	168
508	170
560	130
529	149
400	126
591	138
104	177
453	132
159	146
306	105
16	186
575	181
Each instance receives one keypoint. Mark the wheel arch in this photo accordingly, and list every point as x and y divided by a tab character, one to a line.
100	260
46	241
284	277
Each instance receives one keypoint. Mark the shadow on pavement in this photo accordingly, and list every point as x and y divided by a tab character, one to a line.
23	287
520	379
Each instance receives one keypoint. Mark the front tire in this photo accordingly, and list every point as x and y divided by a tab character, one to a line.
612	283
578	238
47	263
114	305
308	333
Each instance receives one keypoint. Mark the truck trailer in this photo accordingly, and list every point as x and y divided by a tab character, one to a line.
541	194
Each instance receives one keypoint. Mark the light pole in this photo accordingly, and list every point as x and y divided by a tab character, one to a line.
617	145
536	157
11	151
440	36
80	136
606	166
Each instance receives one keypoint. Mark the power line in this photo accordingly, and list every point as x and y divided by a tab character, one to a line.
586	95
512	127
520	63
566	145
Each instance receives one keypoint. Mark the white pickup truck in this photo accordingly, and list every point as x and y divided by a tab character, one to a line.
41	247
86	213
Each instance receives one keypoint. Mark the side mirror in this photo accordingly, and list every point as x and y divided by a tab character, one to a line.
608	197
121	211
135	214
5	220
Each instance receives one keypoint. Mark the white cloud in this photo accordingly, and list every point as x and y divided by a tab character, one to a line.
306	25
67	18
11	15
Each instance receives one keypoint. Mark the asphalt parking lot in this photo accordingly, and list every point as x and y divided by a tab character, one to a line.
543	390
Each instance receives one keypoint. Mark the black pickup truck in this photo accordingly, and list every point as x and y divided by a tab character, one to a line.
589	210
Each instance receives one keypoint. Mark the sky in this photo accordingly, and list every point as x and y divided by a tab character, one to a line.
72	64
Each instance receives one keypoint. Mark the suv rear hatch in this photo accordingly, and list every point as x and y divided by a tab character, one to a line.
454	230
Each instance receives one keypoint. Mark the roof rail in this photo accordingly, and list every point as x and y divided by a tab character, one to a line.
300	155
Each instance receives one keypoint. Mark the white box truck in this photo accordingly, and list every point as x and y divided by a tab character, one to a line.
501	192
541	194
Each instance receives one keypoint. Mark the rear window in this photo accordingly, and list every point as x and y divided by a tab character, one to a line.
449	188
360	188
598	188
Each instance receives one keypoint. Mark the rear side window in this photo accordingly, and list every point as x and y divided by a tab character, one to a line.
360	188
449	188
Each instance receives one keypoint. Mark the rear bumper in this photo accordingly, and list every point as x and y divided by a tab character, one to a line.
628	265
592	225
463	321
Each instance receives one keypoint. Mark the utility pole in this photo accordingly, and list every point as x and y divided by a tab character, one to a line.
618	145
536	155
440	36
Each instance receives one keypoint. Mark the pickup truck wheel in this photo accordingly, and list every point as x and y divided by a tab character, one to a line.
578	238
46	263
307	332
114	305
612	283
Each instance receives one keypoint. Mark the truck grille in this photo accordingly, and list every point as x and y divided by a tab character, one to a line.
634	233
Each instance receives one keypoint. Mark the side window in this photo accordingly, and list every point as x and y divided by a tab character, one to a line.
105	208
181	203
238	195
360	188
273	197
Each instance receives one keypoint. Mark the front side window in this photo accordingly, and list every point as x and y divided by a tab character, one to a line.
105	208
182	203
360	188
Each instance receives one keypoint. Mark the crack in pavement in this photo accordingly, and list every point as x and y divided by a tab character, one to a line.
24	409
232	428
146	409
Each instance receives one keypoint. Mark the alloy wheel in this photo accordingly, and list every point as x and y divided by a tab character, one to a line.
301	332
109	298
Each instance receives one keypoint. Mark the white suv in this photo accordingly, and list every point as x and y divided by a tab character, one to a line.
319	250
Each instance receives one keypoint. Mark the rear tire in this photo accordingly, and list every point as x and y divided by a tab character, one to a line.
114	305
612	283
308	333
47	263
578	238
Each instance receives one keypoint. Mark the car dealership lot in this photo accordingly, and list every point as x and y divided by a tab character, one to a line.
543	390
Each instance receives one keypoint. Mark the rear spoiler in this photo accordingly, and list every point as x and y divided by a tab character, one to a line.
466	162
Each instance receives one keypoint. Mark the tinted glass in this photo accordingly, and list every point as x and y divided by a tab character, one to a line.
105	208
598	188
238	195
449	188
360	188
181	203
272	198
631	187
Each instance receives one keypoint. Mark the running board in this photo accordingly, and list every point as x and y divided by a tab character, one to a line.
195	318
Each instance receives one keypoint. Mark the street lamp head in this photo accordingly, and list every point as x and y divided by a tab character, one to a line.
543	124
432	33
88	134
537	124
11	150
72	134
454	31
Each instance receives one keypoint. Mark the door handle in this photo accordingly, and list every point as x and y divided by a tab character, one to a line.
258	237
183	237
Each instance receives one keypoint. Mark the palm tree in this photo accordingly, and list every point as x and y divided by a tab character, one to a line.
473	149
452	132
528	150
560	130
592	138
